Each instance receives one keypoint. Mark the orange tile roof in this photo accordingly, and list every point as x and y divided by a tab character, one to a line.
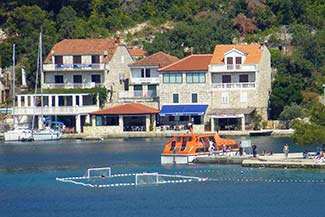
127	109
137	52
253	52
160	58
194	62
83	46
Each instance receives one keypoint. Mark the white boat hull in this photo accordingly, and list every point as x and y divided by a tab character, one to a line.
49	134
18	135
179	158
189	158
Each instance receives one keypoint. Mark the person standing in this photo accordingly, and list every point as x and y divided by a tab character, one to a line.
286	150
254	147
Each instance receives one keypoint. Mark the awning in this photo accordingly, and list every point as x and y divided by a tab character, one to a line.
183	110
231	112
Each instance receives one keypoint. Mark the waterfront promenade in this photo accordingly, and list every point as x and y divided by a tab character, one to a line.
164	134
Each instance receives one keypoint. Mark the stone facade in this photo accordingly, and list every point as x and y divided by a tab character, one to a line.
119	72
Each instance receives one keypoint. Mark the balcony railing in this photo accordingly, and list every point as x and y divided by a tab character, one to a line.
153	80
68	67
70	85
61	110
139	94
233	67
234	85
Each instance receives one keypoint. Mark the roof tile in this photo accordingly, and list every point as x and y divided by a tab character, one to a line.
253	52
160	58
194	62
84	47
127	109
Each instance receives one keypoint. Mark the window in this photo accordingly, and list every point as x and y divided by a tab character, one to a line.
58	59
243	97
194	98
172	78
107	120
95	78
145	73
58	79
77	78
111	120
226	78
195	78
230	63
77	59
137	90
238	62
95	59
243	78
225	98
152	90
175	98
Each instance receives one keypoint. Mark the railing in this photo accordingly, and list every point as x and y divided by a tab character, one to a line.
153	80
232	67
234	85
61	110
65	67
69	85
137	94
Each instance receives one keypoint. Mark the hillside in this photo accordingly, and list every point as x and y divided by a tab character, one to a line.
292	29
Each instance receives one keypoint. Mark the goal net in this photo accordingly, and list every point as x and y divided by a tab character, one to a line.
98	172
148	179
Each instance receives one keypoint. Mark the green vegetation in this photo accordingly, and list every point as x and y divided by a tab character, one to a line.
292	29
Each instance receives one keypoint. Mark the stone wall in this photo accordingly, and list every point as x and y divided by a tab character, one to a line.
118	66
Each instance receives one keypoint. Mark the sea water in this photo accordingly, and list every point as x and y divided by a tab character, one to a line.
28	185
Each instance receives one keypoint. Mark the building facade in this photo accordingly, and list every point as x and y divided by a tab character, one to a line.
240	85
88	63
185	92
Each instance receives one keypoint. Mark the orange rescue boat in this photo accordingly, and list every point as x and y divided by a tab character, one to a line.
183	149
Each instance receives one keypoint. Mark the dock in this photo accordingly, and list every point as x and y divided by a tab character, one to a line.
278	160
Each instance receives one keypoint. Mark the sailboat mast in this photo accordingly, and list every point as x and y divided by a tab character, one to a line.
13	81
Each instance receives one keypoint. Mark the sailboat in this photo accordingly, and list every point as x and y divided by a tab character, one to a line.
19	133
46	133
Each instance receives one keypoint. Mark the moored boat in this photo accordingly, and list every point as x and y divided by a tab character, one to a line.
19	134
183	149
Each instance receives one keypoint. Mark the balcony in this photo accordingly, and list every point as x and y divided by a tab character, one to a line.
75	67
241	85
233	67
62	110
153	80
137	94
70	85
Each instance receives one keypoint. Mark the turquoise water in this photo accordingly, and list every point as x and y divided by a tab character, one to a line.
28	185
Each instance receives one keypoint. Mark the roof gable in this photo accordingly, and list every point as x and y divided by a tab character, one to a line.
253	52
194	62
125	109
160	59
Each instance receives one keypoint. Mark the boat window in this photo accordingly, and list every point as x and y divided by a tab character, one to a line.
183	146
199	150
178	139
172	146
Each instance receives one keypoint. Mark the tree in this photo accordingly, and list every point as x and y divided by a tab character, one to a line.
244	24
67	24
291	112
23	28
284	91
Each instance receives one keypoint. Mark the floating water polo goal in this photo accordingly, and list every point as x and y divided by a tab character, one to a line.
103	178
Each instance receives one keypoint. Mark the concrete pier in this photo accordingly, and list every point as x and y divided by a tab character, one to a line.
278	160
